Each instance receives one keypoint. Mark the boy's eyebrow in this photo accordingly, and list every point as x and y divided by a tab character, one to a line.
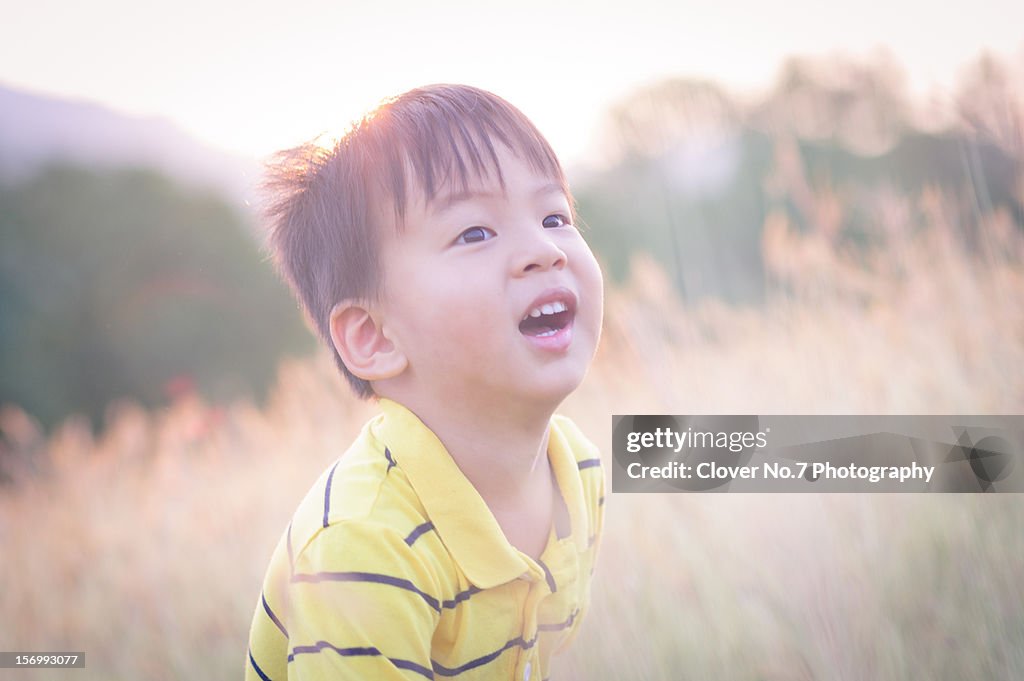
549	188
446	201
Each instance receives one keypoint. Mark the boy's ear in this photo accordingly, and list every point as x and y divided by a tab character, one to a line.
361	342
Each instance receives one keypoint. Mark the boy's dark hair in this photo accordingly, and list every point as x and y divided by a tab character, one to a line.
323	204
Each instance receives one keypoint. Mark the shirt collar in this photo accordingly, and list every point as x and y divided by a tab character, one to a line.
567	474
459	514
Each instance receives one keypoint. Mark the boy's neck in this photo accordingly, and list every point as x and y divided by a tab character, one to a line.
501	451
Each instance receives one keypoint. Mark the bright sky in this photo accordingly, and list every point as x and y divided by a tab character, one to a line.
259	75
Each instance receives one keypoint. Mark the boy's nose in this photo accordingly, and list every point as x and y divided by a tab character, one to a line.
539	253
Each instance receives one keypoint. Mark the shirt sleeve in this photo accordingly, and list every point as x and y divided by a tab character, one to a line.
362	605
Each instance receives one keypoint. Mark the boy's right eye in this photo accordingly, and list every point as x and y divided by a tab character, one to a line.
474	235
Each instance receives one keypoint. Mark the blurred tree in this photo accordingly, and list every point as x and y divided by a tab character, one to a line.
991	104
860	106
682	183
690	174
122	284
653	119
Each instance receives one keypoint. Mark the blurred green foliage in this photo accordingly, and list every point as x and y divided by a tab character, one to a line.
122	284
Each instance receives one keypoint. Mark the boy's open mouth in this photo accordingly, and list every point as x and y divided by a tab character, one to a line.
549	317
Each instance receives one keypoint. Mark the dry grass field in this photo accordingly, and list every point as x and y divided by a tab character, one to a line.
145	545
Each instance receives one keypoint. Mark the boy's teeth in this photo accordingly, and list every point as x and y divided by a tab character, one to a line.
548	308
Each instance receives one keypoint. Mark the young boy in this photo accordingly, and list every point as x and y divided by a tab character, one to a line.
434	249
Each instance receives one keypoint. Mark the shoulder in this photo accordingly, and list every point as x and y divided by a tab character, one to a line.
363	548
363	494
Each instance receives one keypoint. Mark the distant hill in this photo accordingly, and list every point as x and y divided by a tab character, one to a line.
37	129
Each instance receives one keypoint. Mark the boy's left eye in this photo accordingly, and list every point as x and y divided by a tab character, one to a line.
553	221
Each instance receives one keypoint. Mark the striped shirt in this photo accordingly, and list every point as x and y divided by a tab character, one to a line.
393	567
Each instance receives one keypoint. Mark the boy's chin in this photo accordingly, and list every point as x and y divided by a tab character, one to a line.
532	390
554	389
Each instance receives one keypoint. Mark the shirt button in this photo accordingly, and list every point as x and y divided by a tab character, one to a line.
526	672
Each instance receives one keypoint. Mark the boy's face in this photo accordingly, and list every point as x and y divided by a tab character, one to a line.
493	296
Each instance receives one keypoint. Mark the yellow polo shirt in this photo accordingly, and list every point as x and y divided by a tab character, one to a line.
393	567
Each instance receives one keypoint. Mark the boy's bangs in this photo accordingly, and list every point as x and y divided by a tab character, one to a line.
448	148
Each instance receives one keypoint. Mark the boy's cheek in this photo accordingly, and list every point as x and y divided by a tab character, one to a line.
596	296
595	283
